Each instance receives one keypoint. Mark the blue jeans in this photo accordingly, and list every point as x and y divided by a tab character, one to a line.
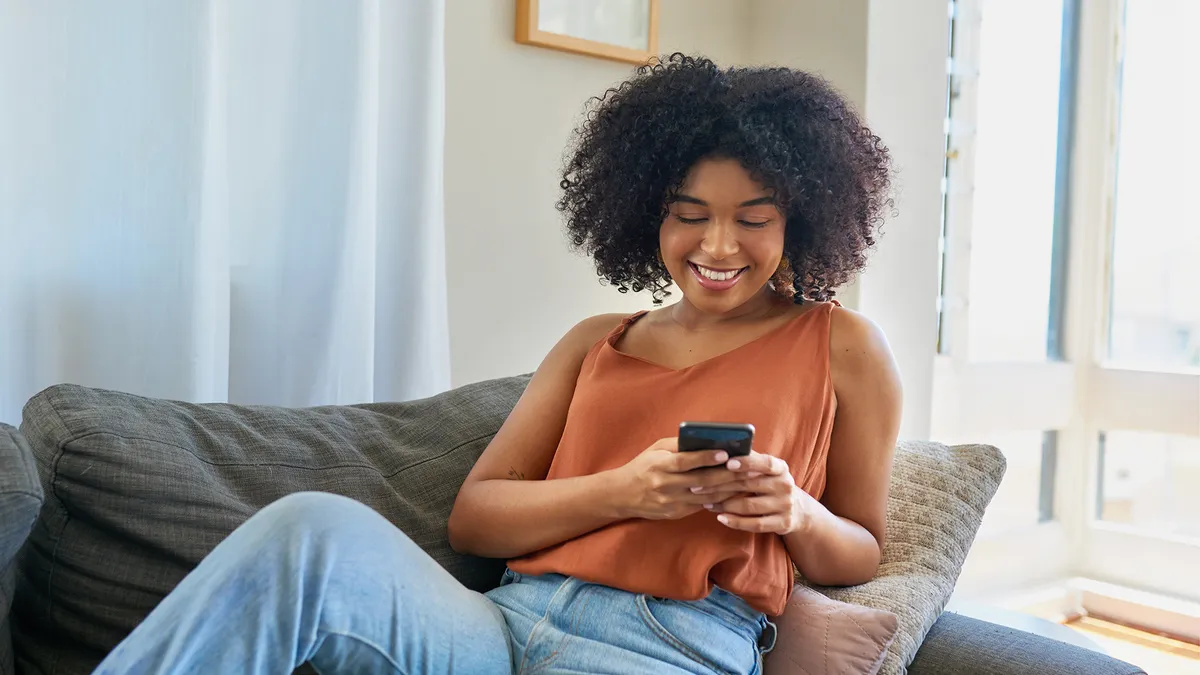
323	579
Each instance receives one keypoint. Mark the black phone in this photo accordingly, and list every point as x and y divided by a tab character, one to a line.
735	439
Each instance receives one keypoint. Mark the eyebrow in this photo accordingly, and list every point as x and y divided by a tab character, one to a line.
688	199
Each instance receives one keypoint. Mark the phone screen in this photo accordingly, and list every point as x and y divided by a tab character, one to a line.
736	439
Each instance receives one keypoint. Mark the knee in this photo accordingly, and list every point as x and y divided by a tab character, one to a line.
320	516
318	529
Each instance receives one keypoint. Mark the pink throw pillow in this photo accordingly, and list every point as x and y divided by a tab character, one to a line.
819	635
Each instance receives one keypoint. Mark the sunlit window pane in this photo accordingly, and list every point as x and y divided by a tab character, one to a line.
1012	218
1150	481
1155	311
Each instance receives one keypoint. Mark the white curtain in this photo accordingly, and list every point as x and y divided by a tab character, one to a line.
222	200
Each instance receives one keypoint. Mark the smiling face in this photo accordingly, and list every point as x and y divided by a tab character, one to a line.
722	239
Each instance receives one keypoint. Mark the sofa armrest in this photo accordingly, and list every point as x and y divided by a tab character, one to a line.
958	644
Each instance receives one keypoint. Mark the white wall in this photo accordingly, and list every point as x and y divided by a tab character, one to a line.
514	288
907	46
823	37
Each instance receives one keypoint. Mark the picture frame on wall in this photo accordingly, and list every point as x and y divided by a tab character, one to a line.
620	30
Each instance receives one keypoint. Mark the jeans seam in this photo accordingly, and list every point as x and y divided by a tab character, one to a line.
382	652
666	636
533	631
575	619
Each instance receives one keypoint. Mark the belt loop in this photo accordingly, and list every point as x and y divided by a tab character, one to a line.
764	646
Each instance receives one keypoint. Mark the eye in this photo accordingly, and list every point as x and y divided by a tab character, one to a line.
691	221
754	223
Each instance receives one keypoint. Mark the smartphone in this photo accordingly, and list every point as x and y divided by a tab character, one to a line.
732	438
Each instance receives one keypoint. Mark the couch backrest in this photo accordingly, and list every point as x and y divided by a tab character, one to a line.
140	490
20	501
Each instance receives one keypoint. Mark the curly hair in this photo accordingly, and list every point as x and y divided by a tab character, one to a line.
830	175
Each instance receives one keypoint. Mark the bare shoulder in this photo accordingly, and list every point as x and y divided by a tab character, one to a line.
858	347
593	328
851	331
588	332
599	325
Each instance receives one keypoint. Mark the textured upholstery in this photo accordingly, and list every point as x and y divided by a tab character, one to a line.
959	644
20	501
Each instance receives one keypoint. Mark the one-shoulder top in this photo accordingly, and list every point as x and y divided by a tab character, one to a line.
779	382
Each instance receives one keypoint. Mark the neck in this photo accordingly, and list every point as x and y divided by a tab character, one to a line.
764	303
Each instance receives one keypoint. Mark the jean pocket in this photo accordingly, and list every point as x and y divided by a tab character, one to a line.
699	636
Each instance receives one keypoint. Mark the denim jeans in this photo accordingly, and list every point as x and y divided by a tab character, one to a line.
320	578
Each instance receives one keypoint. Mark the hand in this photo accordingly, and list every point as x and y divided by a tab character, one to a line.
770	500
664	484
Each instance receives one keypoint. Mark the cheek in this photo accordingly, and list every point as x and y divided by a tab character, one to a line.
673	240
766	249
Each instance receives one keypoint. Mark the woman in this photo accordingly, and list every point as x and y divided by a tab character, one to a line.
755	193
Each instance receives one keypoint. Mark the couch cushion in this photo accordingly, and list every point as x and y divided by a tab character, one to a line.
958	644
140	490
817	635
20	501
938	496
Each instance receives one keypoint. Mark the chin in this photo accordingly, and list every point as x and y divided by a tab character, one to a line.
716	303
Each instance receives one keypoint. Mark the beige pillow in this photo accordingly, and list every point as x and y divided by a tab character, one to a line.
938	495
820	636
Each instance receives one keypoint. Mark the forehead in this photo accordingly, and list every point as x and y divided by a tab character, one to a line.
721	180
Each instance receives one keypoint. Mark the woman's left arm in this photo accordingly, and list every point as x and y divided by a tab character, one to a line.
835	541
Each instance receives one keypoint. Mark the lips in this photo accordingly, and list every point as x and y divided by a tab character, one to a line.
723	281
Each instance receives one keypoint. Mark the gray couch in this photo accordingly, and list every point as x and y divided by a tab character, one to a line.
111	499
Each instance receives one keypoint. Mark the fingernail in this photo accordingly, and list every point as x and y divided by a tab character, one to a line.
724	519
752	474
708	506
722	456
734	464
697	490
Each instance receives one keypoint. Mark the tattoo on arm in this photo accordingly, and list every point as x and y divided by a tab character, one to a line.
513	474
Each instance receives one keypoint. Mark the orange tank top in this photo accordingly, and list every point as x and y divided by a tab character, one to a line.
779	382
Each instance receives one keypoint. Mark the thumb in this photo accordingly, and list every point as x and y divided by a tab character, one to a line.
687	461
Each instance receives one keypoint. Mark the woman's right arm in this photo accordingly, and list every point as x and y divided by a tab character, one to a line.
506	508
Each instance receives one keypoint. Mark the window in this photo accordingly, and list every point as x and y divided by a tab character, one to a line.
1067	145
1008	149
1008	154
1013	199
1155	296
1149	481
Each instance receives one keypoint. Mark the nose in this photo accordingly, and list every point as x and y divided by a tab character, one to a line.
720	239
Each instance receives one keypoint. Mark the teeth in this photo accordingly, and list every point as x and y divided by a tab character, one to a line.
715	275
